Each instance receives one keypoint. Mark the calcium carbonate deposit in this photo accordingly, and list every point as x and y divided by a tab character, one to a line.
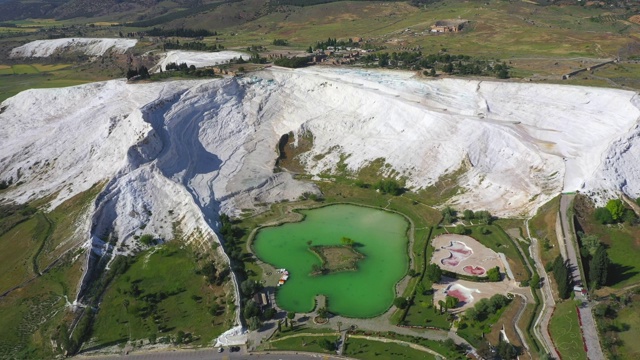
201	147
198	58
87	46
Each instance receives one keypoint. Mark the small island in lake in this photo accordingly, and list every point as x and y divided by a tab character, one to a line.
336	258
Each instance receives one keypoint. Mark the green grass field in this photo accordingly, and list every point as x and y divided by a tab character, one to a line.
17	248
630	315
622	242
565	331
304	343
167	274
29	316
370	349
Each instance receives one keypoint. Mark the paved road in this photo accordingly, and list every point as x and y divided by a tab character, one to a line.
541	326
212	354
569	241
589	330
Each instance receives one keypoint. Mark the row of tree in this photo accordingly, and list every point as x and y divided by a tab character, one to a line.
181	32
192	45
140	73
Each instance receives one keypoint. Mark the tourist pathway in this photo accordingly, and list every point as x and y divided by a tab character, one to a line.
541	326
588	328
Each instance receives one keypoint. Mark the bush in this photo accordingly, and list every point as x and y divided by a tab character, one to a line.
603	216
388	186
146	239
493	274
400	303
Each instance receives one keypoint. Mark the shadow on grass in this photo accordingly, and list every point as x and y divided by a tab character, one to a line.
619	273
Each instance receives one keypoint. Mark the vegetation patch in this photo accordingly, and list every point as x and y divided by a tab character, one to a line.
165	295
619	240
565	331
336	258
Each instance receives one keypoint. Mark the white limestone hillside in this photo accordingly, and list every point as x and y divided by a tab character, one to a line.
87	46
184	151
198	58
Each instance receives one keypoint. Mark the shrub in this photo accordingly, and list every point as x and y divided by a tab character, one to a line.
146	239
400	303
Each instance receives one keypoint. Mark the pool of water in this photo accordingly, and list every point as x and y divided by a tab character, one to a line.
381	236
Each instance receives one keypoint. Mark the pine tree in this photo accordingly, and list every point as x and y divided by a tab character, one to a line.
598	267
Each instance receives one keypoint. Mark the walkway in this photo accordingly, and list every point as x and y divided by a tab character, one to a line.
541	325
589	329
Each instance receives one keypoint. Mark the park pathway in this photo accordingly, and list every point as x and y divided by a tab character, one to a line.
587	322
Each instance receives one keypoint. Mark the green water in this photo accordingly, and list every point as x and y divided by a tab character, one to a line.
364	293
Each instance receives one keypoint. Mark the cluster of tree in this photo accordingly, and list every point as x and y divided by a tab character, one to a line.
595	255
486	307
323	45
181	32
192	45
449	302
232	235
280	42
610	325
615	212
503	351
388	186
294	62
450	215
140	73
210	272
447	63
189	70
433	273
562	275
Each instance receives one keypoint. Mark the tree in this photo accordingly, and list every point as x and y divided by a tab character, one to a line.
388	186
590	242
254	323
494	274
507	351
484	216
460	229
535	281
433	273
485	230
432	72
598	267
400	302
250	287
347	241
291	315
323	313
451	302
616	208
251	309
468	214
603	216
629	217
562	275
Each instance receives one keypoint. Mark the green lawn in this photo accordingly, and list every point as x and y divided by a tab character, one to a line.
622	242
304	343
369	349
565	331
630	315
167	274
17	247
29	316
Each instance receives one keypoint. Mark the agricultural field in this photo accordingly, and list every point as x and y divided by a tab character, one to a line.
565	331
